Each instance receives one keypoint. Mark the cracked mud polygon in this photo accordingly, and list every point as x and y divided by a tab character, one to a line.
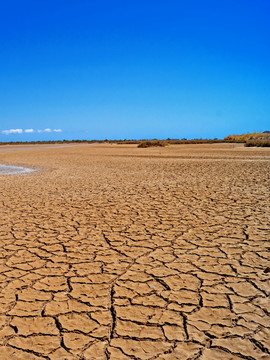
115	252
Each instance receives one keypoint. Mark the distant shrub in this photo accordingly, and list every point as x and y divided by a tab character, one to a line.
150	143
258	143
194	141
247	137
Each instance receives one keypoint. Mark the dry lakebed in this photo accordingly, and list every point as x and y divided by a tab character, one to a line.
115	252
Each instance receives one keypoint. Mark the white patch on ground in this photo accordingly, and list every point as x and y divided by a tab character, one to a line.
10	169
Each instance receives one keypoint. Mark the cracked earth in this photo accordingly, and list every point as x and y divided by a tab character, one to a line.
115	252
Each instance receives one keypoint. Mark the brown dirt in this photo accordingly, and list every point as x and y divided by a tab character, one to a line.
115	252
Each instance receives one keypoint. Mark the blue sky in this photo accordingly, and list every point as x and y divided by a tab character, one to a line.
99	69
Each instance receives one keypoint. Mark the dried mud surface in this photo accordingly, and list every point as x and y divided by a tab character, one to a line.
114	252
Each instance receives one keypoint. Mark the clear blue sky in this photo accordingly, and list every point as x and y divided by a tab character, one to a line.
133	69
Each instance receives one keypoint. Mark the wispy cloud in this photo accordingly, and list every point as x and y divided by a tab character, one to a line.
12	131
29	131
48	130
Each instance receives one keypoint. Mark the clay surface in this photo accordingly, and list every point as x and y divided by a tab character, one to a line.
115	252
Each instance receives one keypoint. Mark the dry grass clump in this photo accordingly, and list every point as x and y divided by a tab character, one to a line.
150	143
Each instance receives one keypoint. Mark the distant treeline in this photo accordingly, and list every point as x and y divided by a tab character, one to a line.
254	139
44	142
169	141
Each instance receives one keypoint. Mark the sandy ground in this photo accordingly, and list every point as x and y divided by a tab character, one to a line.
115	252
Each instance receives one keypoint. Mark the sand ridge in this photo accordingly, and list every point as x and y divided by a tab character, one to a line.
115	252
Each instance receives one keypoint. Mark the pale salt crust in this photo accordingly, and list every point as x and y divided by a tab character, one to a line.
13	170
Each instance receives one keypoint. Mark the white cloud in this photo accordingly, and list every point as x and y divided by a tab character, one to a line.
49	130
29	131
12	131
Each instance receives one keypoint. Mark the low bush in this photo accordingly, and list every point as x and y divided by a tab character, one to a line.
150	143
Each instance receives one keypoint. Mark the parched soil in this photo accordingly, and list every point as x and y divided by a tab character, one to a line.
115	252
